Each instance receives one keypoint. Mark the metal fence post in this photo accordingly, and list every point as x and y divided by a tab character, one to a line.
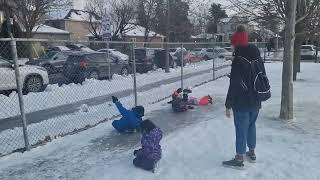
20	95
109	61
213	69
134	76
264	54
182	64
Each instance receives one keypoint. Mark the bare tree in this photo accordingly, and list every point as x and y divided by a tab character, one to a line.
289	10
96	10
310	11
122	12
285	11
147	16
31	12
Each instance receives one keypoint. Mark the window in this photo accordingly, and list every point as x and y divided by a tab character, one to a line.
139	54
209	50
60	56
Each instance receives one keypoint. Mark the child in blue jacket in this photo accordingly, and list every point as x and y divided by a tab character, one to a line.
131	119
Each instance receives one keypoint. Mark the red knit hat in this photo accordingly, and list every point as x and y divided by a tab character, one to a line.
240	39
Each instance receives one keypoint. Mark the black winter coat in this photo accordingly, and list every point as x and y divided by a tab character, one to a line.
238	98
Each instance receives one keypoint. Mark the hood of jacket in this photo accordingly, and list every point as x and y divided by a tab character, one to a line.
250	52
139	111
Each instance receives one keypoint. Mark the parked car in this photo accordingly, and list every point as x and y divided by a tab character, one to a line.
144	58
308	52
59	48
230	49
116	53
34	78
207	53
188	57
223	53
199	51
93	65
160	59
53	61
80	47
175	51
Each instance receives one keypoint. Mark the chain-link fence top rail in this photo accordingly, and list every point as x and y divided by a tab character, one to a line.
68	85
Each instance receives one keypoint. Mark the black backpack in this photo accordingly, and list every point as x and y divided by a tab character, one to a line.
258	78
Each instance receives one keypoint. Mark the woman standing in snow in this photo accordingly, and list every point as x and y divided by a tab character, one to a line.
242	99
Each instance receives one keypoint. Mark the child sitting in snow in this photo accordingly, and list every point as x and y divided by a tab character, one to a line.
180	102
131	119
150	153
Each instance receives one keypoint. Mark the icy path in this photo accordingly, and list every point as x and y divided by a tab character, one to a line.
72	156
194	145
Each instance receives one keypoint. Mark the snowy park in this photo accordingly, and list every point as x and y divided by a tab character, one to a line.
194	144
159	89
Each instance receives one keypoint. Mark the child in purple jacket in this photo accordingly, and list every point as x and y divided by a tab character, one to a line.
150	153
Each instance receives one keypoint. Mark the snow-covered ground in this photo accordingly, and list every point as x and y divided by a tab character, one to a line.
194	150
55	96
12	139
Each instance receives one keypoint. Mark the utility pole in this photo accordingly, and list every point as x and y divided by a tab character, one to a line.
167	37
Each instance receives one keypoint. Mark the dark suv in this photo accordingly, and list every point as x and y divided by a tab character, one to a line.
53	61
145	59
160	59
87	65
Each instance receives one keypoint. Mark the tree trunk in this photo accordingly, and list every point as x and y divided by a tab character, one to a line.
297	58
286	111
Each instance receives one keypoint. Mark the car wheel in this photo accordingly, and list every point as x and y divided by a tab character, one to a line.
93	75
174	64
33	84
124	71
206	58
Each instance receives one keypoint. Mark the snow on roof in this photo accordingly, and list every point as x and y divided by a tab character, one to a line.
225	20
139	31
136	31
203	36
80	15
48	29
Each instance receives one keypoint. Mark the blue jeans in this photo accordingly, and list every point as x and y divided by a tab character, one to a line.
245	125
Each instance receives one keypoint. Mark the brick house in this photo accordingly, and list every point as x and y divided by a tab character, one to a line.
136	34
77	22
227	26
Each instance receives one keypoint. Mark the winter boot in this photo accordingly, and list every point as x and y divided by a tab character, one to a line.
210	99
251	156
236	163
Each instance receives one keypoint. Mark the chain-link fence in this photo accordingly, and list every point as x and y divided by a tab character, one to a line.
66	86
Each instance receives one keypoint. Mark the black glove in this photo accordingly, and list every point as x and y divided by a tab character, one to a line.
135	152
114	99
179	90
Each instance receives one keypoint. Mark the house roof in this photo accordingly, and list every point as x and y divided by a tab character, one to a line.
139	31
81	15
225	20
136	31
48	30
203	36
